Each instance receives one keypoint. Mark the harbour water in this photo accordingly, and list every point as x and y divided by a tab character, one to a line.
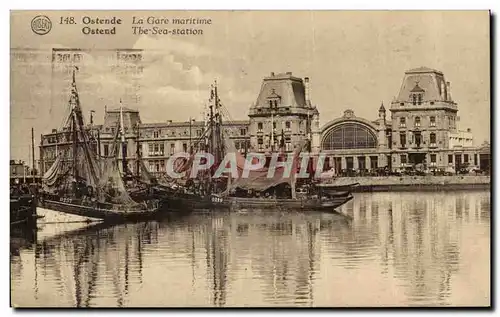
391	249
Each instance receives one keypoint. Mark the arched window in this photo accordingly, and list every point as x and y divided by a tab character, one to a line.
417	122
349	136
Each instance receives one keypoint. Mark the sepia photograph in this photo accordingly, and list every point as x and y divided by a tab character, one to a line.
169	159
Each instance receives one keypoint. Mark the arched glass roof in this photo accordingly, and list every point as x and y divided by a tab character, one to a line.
350	135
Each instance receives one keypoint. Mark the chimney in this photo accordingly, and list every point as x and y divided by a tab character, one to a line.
289	73
306	91
448	90
272	74
468	130
443	91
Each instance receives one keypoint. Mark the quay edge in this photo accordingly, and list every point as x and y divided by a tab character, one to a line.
414	183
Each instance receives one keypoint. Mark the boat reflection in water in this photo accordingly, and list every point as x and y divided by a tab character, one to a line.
397	250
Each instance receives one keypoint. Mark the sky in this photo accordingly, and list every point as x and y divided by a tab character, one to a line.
354	59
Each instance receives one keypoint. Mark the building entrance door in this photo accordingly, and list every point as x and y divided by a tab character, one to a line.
458	162
361	163
337	161
349	161
373	162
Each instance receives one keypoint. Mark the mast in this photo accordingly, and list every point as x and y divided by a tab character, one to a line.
99	142
33	154
272	131
124	145
73	126
138	153
211	123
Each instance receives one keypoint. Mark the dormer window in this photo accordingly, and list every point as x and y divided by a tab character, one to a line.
274	99
417	95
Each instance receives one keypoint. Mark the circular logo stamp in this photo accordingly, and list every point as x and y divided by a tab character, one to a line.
41	25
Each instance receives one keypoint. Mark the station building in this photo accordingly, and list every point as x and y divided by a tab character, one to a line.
422	129
419	127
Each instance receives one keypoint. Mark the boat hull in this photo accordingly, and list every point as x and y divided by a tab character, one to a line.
214	202
289	204
98	211
23	210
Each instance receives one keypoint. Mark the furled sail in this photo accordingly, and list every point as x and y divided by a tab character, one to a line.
53	173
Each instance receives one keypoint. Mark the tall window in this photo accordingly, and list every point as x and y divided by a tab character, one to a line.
466	158
417	122
243	131
414	97
156	134
432	139
172	148
433	158
418	138
106	150
349	136
402	122
432	121
450	158
288	125
402	139
403	159
419	99
259	126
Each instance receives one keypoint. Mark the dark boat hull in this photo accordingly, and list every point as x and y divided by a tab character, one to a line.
99	211
306	204
23	210
194	202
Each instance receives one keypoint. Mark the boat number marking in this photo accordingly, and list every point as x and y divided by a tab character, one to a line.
216	199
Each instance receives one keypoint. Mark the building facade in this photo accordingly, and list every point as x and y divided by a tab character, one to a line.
153	143
354	143
282	114
420	128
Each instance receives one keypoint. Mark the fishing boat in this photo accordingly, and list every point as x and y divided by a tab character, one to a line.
22	206
83	184
256	190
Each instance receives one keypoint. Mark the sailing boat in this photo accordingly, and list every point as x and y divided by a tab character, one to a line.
255	191
86	185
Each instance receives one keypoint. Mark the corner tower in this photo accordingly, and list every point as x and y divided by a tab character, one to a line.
282	114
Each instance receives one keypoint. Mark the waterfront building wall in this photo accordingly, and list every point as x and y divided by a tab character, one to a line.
421	129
